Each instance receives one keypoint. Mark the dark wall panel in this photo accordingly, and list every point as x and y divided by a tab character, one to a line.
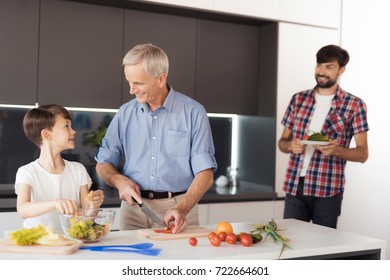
227	67
80	54
175	35
19	21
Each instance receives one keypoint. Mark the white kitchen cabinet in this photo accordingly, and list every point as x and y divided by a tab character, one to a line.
267	9
198	4
312	12
252	212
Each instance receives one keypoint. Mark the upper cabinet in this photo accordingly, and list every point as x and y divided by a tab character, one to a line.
19	21
227	67
267	9
223	53
215	61
80	54
311	12
176	35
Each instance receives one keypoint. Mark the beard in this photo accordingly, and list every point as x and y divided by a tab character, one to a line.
327	84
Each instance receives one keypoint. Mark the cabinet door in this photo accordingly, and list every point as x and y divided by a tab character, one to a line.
175	35
235	212
18	51
80	54
312	12
227	67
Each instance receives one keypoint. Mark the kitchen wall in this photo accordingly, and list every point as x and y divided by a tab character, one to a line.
366	207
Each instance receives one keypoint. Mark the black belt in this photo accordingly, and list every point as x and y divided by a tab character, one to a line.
159	195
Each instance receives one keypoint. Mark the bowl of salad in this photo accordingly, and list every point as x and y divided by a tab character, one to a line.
89	225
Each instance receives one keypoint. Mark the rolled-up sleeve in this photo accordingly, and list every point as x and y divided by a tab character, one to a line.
202	151
111	149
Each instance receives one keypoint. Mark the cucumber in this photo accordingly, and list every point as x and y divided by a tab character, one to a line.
318	137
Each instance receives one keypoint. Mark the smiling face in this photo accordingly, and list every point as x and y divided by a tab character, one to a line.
144	87
62	135
327	74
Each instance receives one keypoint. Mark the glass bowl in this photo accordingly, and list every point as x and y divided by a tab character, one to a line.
90	225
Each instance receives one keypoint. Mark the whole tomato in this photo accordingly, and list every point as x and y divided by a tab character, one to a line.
222	235
215	241
246	240
231	238
193	241
212	235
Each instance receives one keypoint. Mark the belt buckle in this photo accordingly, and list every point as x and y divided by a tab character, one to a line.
170	195
151	195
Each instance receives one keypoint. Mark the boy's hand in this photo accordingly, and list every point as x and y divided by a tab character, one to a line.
95	198
68	207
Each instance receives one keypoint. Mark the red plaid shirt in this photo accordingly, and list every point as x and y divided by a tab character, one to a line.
347	117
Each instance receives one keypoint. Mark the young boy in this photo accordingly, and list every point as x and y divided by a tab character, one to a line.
51	183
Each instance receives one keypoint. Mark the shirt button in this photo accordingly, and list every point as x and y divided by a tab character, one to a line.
154	137
152	177
153	157
155	117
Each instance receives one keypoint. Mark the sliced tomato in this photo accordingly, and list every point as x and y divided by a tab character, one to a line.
167	230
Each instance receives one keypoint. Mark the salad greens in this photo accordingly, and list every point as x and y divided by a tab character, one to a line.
39	235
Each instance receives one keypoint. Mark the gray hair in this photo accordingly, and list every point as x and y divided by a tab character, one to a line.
154	59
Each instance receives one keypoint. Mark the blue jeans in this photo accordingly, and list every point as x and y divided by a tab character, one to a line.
320	210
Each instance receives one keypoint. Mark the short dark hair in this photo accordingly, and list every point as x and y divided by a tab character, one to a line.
42	117
331	53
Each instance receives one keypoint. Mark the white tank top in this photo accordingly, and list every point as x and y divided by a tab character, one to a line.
321	110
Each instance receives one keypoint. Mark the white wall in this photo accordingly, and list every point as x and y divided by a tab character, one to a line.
364	33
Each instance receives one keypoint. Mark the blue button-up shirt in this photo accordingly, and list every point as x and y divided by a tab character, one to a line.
164	149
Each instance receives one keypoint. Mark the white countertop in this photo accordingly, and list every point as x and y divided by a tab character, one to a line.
306	240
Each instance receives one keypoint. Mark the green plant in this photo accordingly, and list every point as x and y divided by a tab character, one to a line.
94	138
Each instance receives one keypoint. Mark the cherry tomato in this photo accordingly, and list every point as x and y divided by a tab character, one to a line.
193	241
246	240
215	241
231	238
306	137
222	235
212	235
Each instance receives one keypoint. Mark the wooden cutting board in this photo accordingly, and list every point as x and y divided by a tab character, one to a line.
6	246
190	231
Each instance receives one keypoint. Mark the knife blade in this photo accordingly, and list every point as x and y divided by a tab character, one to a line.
151	214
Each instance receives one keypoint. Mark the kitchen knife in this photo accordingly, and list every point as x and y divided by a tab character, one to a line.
150	214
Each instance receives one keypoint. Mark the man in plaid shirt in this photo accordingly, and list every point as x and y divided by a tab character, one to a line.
315	177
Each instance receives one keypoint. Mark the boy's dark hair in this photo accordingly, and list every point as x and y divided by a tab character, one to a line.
41	118
331	53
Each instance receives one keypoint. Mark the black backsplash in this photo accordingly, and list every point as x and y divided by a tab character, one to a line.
256	162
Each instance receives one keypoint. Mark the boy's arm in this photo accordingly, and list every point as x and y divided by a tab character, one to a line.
28	209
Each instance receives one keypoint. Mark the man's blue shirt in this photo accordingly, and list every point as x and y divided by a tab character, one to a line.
162	150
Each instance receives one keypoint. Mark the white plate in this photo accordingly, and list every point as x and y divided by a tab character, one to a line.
319	143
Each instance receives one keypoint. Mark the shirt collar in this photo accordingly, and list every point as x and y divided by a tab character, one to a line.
339	92
168	104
